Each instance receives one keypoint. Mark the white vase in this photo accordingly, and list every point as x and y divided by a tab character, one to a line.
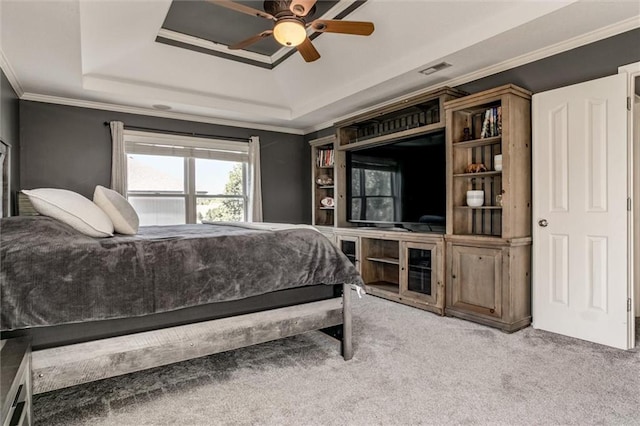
497	163
475	198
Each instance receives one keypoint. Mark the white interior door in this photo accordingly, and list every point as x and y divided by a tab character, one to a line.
580	211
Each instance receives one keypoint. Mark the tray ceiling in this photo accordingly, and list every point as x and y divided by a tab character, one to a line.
208	21
104	53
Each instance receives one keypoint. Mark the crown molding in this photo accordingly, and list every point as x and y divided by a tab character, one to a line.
145	90
11	75
155	113
545	52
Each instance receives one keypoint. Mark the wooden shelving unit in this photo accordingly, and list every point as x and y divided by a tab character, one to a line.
403	267
323	166
488	248
483	262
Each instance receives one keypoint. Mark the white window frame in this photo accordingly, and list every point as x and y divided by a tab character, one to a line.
189	148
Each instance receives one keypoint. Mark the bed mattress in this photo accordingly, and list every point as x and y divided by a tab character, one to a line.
51	274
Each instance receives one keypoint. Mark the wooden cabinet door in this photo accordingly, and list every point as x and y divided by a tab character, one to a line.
419	275
350	246
476	280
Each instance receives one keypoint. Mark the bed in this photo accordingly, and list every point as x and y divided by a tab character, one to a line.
100	307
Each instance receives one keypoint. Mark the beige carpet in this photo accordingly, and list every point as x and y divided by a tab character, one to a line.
410	367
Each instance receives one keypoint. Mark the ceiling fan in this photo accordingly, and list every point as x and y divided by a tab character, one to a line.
291	21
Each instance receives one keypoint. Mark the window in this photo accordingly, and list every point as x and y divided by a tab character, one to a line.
177	180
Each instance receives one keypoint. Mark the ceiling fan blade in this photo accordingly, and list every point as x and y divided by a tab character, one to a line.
343	27
250	40
308	51
238	7
301	7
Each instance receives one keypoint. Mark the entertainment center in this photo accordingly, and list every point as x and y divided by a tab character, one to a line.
430	197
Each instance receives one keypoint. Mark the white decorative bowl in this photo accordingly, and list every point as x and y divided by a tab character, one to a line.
327	202
475	198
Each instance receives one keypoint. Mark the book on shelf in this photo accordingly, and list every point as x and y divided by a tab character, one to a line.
325	157
492	123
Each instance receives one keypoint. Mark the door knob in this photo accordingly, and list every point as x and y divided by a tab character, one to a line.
543	223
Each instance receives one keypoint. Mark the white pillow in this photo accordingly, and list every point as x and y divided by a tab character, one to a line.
122	214
73	209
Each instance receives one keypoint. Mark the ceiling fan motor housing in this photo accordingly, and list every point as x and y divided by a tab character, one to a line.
292	17
280	9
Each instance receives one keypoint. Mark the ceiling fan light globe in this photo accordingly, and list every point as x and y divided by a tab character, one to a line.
289	32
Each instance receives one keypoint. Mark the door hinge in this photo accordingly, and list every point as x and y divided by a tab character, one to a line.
628	204
628	103
628	304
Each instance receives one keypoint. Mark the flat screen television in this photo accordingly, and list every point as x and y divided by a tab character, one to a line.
400	184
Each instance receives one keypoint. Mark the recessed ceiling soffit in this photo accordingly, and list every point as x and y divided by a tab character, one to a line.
208	28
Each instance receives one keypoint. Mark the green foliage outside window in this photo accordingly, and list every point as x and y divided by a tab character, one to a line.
225	209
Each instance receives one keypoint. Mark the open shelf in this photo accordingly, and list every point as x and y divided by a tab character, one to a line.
385	286
478	175
323	163
481	127
480	208
380	266
478	142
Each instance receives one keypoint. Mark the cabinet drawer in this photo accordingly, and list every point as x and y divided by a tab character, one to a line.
15	377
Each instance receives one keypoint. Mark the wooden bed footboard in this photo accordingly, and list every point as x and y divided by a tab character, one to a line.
70	365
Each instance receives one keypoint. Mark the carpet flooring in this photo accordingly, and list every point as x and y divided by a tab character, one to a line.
410	367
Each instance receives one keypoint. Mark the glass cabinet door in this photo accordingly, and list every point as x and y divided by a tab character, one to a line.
419	276
349	246
419	265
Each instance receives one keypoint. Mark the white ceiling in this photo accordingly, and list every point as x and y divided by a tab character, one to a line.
103	53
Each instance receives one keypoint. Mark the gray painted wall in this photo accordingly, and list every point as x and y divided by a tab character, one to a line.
70	147
585	63
9	131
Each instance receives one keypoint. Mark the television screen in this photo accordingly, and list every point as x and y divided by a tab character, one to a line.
399	183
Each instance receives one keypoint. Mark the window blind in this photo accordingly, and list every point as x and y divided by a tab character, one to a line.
185	146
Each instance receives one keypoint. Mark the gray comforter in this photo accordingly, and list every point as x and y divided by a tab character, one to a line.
51	274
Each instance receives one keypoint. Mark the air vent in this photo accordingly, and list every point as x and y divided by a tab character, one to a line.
435	68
